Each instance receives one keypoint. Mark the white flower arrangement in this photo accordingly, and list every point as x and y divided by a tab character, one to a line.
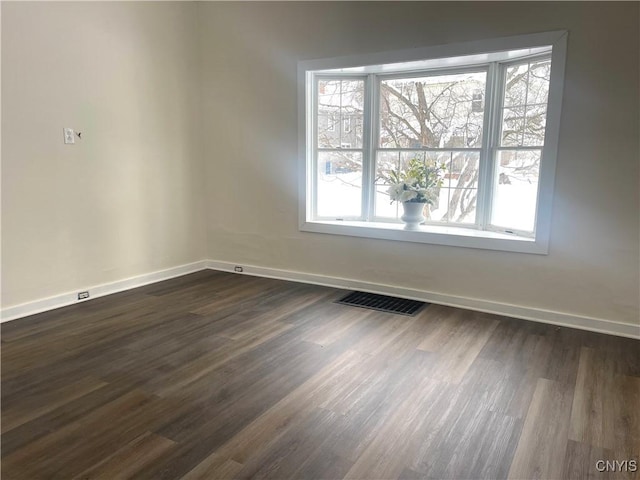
417	183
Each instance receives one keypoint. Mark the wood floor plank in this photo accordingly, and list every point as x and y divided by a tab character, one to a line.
216	375
466	437
563	357
39	403
624	404
467	337
192	372
213	469
446	320
388	453
64	415
290	453
543	442
580	462
293	408
594	382
324	465
408	474
128	460
376	400
57	451
331	331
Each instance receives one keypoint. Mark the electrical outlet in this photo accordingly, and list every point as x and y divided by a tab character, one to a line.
238	269
69	136
83	295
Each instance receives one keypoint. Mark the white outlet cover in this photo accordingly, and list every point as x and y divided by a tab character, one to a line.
69	135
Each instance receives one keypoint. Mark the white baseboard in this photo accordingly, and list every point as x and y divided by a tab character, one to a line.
526	313
96	291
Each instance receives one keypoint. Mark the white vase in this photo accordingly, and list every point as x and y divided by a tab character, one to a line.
412	215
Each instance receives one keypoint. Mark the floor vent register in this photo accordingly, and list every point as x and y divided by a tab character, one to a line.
382	303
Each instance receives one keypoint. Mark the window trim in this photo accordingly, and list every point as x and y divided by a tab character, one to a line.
446	234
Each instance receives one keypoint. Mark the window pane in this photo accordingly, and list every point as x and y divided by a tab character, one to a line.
454	206
384	207
456	198
524	115
459	192
340	113
339	184
539	75
527	84
406	157
386	162
534	128
516	189
328	113
440	111
524	126
515	87
462	169
512	126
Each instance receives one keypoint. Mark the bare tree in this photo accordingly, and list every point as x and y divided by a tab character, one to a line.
444	112
447	112
438	112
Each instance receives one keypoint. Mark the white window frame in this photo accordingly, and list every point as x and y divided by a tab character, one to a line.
467	55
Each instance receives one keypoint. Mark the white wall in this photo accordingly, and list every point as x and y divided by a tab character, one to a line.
249	80
170	96
125	200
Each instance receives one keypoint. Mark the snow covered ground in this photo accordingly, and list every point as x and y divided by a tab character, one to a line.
339	196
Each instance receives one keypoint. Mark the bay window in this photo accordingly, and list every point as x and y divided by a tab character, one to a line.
490	118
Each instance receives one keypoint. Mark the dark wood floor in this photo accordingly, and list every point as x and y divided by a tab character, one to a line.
217	375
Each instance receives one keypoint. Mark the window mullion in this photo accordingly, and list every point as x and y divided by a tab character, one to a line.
313	125
369	134
490	141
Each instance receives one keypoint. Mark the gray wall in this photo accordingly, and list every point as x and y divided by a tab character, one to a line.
249	79
189	117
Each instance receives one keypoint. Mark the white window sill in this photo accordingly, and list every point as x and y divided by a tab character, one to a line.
433	234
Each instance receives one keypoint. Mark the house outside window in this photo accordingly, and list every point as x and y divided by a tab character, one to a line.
490	118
